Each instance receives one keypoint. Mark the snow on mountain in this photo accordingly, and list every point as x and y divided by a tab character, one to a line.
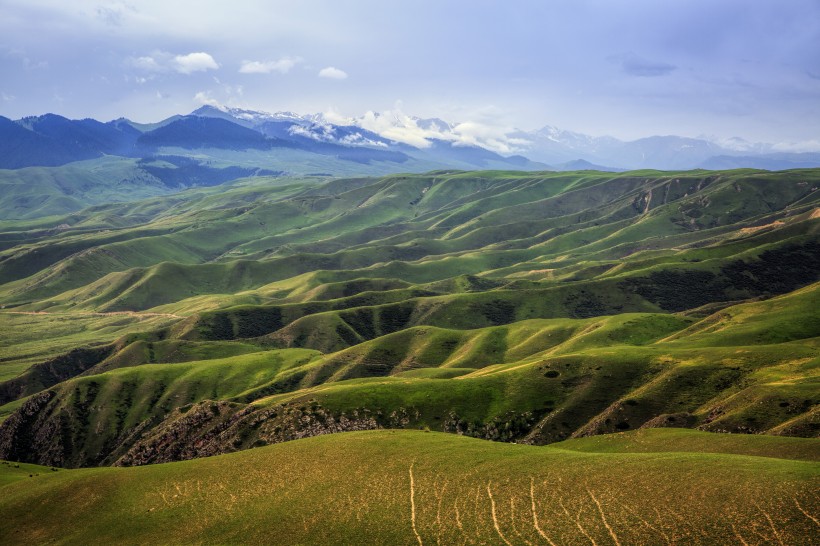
249	117
393	129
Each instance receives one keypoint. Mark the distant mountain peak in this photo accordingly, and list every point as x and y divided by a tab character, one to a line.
249	116
51	139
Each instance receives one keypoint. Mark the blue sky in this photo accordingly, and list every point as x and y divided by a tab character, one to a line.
618	67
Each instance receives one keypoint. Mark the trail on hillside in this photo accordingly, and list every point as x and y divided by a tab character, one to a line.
94	314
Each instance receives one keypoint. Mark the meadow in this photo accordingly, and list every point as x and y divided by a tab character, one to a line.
413	487
279	357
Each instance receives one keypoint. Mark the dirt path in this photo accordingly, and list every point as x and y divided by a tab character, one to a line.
603	519
413	506
495	518
535	515
93	314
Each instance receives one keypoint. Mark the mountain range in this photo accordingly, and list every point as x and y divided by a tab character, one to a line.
52	140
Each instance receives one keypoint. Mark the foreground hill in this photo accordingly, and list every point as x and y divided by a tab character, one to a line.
405	487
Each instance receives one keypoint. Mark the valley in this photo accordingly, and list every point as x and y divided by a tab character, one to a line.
594	316
410	273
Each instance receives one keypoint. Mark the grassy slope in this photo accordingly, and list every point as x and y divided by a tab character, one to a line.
29	339
405	487
456	223
120	403
666	440
36	192
537	381
474	299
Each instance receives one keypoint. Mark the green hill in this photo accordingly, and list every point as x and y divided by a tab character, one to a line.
232	331
533	381
405	487
527	307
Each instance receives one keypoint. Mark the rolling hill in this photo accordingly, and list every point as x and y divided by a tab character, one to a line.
527	307
406	487
595	316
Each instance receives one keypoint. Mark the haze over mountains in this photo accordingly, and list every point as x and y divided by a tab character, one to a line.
399	143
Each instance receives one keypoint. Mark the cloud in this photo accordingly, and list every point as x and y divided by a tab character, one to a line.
333	73
194	62
398	126
638	66
147	63
797	147
204	97
492	137
163	62
282	66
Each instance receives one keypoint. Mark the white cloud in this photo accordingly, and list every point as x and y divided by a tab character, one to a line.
396	125
331	115
204	97
156	62
805	146
492	137
194	62
162	62
282	66
333	73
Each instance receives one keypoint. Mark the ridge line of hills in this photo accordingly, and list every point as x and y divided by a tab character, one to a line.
512	306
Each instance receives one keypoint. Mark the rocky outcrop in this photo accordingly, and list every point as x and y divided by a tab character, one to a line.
212	428
31	435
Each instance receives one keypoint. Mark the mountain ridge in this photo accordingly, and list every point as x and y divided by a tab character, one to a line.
548	145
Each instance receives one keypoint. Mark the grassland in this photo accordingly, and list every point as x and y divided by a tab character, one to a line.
406	487
598	313
510	306
32	338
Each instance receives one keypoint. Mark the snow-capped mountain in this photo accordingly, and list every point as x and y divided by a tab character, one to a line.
550	145
291	125
389	141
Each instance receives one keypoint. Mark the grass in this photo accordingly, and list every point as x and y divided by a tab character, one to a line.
406	487
119	402
674	440
467	223
512	306
538	380
538	308
29	339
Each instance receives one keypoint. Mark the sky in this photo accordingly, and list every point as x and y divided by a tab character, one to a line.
625	68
